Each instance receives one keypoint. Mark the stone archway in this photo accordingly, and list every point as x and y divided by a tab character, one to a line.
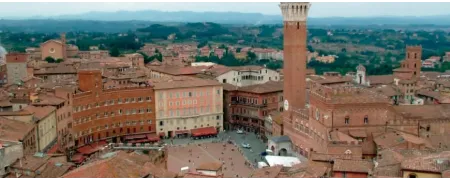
282	152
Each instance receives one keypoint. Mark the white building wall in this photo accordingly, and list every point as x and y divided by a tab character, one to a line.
236	78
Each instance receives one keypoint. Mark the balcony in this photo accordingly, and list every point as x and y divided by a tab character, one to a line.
248	104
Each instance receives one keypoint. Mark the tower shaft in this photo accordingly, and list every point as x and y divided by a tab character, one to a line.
295	53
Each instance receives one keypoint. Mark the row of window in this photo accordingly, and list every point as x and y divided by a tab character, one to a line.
197	120
187	94
112	102
184	102
112	114
113	125
107	133
347	120
189	111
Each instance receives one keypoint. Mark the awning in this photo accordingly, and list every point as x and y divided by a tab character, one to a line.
78	158
53	149
139	141
99	145
87	150
162	134
138	136
204	131
153	137
182	132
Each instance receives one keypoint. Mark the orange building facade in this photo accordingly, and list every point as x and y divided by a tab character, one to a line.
115	115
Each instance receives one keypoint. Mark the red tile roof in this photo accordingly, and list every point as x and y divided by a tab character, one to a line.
204	131
119	165
361	166
40	112
78	158
211	166
13	130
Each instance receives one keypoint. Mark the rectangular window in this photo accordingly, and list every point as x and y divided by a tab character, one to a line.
161	123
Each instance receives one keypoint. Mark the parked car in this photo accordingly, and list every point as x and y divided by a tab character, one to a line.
246	145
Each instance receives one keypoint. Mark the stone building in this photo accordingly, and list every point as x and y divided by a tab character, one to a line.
117	115
45	120
187	103
247	108
16	67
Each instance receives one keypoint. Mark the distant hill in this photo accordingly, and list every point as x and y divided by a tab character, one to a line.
243	18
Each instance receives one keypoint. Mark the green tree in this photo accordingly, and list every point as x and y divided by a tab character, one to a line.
202	44
251	55
59	60
50	59
114	52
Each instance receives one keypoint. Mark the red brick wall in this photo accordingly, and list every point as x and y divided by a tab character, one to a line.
114	131
295	63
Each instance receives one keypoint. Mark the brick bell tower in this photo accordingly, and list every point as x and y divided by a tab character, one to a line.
295	52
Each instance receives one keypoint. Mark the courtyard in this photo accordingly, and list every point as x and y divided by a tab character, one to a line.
237	161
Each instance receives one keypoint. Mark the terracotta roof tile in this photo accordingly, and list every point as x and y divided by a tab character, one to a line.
437	162
159	172
40	112
361	166
392	139
181	82
267	172
13	130
176	70
268	87
211	166
47	99
380	79
424	112
119	165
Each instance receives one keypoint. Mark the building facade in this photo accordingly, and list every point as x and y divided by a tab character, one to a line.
187	103
248	108
16	67
248	75
111	114
45	120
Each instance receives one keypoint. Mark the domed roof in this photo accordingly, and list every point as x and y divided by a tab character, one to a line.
360	68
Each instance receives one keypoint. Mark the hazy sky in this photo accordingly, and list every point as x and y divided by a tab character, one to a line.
318	9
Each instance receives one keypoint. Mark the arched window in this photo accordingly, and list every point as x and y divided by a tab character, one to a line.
347	120
366	119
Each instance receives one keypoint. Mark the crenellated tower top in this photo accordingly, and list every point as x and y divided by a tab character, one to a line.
295	11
